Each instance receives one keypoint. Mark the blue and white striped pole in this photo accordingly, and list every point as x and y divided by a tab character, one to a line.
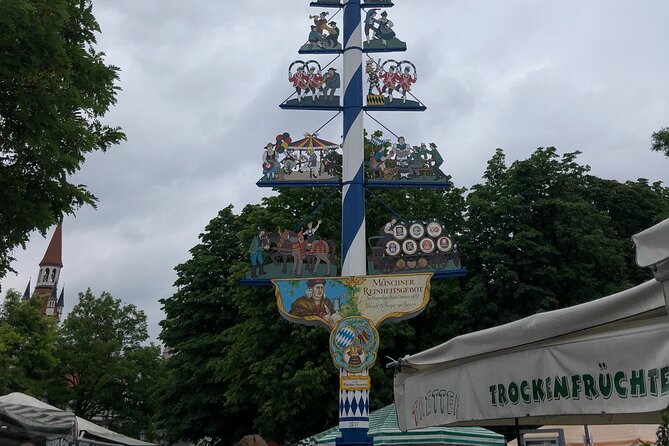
353	191
353	404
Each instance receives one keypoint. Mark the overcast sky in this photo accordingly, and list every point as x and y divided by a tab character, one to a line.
202	81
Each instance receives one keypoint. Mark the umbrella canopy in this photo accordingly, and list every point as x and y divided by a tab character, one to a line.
312	142
384	430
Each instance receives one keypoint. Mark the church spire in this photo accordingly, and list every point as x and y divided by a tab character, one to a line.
26	293
54	253
49	273
61	303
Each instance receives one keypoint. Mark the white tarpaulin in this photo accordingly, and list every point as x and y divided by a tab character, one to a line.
652	250
602	362
652	246
20	420
45	415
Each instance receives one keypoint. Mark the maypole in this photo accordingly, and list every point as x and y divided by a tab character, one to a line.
353	184
392	281
353	404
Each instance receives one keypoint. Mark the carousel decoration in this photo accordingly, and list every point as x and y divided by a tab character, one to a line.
389	85
300	163
314	89
421	246
379	33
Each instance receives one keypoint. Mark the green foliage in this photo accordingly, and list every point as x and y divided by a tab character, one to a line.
661	141
543	234
27	346
105	371
54	91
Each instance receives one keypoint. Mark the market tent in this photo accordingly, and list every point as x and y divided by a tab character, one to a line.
25	422
601	362
384	430
83	429
600	435
652	250
559	367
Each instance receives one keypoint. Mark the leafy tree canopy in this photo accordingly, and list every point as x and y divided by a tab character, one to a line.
106	371
54	90
28	356
661	141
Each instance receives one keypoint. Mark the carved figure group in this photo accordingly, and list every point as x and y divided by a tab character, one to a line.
317	39
308	80
292	161
398	77
403	161
304	247
378	27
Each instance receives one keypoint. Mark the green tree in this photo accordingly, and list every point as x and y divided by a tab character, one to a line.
28	356
535	241
55	89
661	141
632	206
106	371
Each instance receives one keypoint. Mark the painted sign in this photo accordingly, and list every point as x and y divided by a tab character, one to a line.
389	83
354	343
379	32
355	382
323	35
285	253
309	159
325	302
403	162
404	246
313	87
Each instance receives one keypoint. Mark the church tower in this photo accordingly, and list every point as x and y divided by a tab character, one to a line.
49	273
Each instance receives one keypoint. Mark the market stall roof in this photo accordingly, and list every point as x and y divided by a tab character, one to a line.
509	372
46	415
17	418
384	431
640	302
652	249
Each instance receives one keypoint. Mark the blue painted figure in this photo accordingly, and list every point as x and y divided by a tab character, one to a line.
255	254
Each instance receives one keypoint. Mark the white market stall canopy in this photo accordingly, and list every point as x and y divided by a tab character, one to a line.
384	431
36	417
18	420
652	250
601	362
